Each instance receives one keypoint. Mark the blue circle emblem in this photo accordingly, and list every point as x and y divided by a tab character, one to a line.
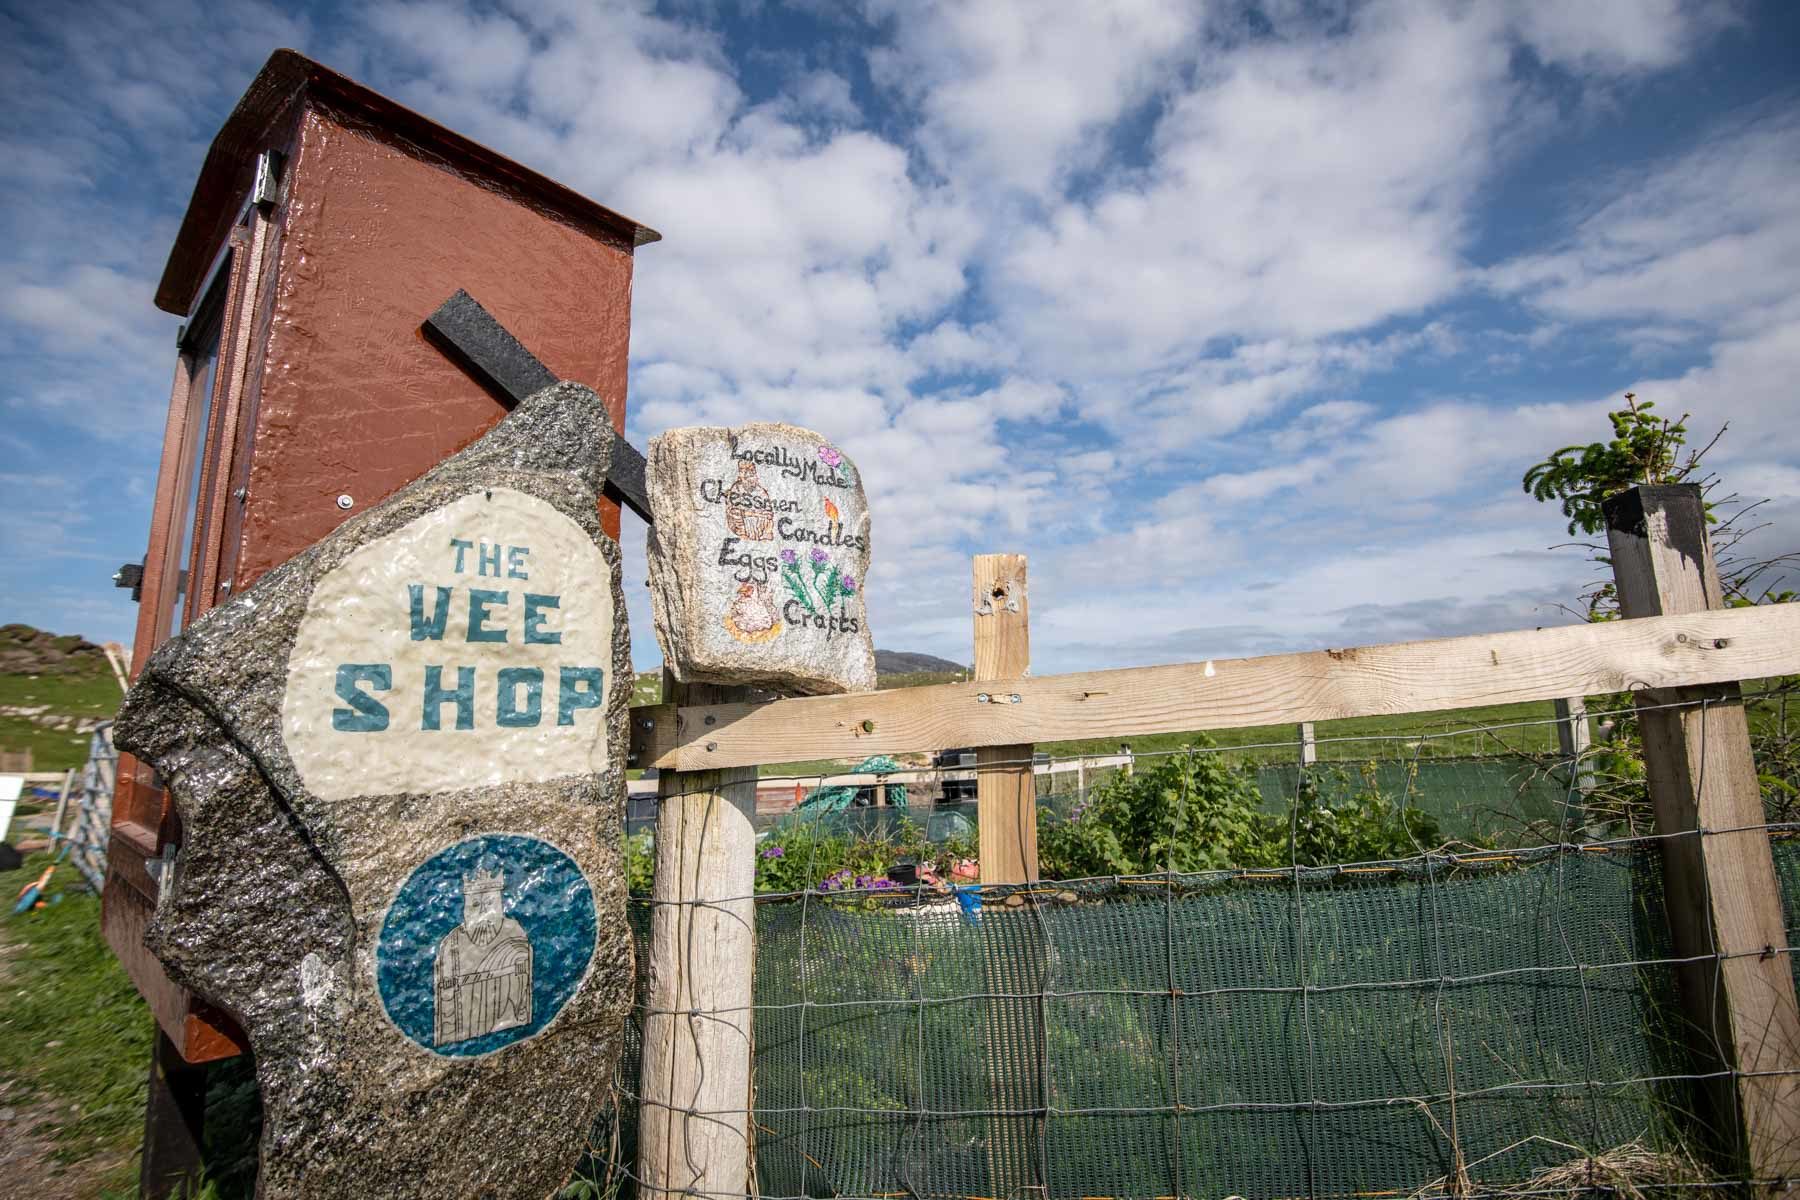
484	943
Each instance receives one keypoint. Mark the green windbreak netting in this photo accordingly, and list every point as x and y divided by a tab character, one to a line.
1511	1008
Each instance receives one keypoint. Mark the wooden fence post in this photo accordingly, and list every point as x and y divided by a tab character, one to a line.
694	1119
1013	954
1574	738
1724	905
1005	788
1309	745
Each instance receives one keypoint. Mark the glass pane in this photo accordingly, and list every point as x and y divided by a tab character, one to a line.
206	365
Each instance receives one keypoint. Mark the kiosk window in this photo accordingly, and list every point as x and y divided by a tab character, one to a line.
203	352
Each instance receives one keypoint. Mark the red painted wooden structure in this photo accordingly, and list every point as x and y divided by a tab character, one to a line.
327	223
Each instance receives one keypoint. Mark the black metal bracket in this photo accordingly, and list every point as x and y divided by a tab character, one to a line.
131	575
472	338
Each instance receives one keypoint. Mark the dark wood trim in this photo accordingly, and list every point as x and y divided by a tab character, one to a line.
174	1123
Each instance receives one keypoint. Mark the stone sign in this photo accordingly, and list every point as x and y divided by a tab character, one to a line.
399	762
758	558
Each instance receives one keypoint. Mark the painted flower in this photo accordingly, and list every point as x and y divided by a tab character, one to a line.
773	852
848	583
818	557
831	511
829	456
789	557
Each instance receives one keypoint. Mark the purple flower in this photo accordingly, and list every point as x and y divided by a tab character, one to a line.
863	881
774	852
829	457
818	557
883	883
848	583
789	557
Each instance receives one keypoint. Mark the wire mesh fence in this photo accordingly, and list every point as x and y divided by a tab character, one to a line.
1495	1011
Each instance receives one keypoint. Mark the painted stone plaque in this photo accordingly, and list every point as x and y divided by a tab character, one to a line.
470	647
759	558
399	765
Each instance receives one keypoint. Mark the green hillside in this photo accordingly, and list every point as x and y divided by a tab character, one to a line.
64	681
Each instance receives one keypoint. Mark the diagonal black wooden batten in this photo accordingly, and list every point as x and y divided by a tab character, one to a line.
471	337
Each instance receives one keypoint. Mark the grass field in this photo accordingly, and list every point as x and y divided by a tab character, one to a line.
74	1035
88	695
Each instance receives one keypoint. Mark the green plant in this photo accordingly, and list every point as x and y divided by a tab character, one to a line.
1644	449
1193	811
640	862
1368	827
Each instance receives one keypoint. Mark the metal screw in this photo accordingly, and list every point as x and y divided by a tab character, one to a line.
344	501
983	698
1721	643
711	720
1015	698
712	746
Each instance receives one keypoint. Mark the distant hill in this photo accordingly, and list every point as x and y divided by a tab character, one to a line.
28	651
903	662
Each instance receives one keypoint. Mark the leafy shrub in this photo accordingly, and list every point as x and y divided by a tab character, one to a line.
1195	812
806	855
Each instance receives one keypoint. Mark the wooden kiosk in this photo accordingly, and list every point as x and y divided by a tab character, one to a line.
327	224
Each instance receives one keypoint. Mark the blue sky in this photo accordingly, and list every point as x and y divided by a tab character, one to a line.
1242	321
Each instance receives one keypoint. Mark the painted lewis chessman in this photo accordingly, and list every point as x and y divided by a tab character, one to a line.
483	966
747	510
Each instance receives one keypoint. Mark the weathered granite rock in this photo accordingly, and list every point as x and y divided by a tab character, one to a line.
399	762
758	559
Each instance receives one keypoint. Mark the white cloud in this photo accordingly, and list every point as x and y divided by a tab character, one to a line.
1307	186
1015	93
1708	236
1618	35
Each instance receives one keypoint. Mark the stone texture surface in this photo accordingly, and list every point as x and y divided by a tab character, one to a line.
301	910
758	558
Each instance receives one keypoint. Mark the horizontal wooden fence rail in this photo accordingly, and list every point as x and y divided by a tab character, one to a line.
1646	654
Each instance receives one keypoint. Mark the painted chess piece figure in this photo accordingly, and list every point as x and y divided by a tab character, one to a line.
752	616
483	967
747	511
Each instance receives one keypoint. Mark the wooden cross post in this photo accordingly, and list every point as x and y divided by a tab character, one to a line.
1004	786
694	1125
1719	878
1012	942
